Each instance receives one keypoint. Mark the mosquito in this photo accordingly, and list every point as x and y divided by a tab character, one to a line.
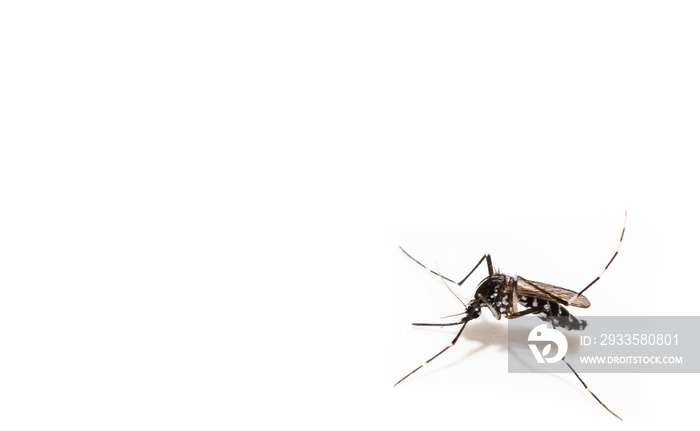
501	294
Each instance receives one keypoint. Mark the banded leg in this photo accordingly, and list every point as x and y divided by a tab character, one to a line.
586	386
439	353
437	324
425	267
486	256
539	309
624	225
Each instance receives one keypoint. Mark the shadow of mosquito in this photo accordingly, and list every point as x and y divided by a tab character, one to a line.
490	333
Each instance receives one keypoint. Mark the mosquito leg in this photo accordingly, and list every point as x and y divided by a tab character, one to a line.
439	353
586	386
488	263
606	266
486	256
448	287
437	324
438	274
539	309
431	271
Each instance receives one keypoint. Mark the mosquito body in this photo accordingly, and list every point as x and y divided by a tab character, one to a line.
501	294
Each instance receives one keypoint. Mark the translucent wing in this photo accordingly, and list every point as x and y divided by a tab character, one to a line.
537	289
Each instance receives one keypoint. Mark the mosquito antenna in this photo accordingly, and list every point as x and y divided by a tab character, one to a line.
453	315
448	287
606	266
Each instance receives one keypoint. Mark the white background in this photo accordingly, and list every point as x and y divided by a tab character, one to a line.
201	204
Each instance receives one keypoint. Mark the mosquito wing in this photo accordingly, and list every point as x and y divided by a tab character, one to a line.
537	289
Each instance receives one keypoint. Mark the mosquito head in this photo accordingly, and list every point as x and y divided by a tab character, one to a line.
473	310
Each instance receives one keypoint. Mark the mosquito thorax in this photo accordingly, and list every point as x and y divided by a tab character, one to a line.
495	292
